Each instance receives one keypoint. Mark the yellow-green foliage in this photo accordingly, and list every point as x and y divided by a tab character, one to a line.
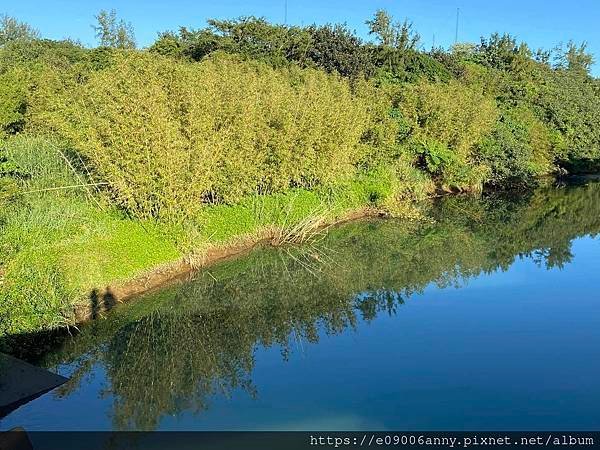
169	135
445	122
379	142
541	141
520	147
12	105
450	113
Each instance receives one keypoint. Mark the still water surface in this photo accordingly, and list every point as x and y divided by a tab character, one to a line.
486	317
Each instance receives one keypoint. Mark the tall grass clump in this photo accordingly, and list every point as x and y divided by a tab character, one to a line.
51	228
169	136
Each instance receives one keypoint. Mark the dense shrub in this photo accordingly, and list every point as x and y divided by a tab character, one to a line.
13	92
563	97
407	66
570	102
335	48
38	69
59	54
244	106
519	148
442	124
169	135
248	36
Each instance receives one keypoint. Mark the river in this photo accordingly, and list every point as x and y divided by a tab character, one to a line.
485	316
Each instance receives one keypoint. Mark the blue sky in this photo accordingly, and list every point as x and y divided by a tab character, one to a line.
538	22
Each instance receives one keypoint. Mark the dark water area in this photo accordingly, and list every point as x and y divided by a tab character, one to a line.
487	316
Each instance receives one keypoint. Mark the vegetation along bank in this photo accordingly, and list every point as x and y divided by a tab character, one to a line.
117	162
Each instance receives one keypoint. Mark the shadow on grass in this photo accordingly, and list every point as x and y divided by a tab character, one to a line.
21	382
32	347
101	303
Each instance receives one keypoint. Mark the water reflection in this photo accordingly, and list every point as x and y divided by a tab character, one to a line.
180	348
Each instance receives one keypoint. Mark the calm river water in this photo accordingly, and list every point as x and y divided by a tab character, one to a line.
485	317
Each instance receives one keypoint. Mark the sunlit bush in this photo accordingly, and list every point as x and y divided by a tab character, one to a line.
168	136
520	147
443	123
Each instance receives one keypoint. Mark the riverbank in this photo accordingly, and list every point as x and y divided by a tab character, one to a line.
68	257
122	167
499	251
160	277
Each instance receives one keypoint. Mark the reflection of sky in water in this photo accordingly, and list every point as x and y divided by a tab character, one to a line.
509	350
489	353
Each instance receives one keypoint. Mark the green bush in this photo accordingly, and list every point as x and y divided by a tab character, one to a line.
13	92
443	123
396	66
58	54
335	48
570	102
520	148
168	136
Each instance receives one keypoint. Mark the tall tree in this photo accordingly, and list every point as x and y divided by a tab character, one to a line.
575	57
400	36
112	32
12	29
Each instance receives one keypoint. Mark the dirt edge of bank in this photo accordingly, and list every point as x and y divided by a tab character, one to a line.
102	300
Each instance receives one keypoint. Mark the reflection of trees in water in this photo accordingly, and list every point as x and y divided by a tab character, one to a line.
177	362
176	349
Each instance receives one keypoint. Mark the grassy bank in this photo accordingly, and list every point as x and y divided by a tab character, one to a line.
58	245
116	161
210	327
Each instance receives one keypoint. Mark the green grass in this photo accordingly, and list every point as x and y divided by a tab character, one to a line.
223	223
59	245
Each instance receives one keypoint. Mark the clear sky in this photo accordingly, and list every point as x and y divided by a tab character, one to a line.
541	23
